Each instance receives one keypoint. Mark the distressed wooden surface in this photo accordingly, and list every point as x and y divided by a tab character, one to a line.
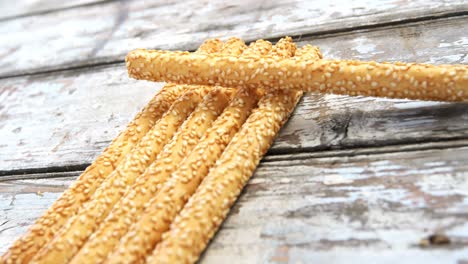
88	35
66	118
348	179
324	207
22	8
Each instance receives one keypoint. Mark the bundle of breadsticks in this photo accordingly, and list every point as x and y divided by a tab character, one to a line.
163	187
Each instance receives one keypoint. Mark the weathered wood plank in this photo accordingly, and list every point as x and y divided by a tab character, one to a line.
299	208
106	32
64	111
27	7
66	118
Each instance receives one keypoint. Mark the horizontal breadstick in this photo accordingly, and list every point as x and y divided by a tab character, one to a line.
129	208
161	209
78	228
81	190
201	217
399	80
196	224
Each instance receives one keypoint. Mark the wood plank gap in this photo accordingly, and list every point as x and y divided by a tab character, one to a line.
71	68
75	170
303	153
35	176
55	169
396	143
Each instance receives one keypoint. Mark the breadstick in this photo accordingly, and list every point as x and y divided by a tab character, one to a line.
162	208
196	224
398	80
128	209
45	228
72	236
81	190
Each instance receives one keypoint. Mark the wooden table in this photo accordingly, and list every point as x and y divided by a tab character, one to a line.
349	179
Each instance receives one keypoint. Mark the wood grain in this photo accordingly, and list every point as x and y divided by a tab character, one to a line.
368	205
66	118
105	33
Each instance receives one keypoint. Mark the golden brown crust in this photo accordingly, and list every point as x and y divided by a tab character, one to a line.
260	47
285	48
81	190
128	209
78	228
394	80
196	224
233	46
308	52
210	46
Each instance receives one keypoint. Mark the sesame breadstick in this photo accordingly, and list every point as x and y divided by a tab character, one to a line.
397	80
198	221
75	232
43	230
128	209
